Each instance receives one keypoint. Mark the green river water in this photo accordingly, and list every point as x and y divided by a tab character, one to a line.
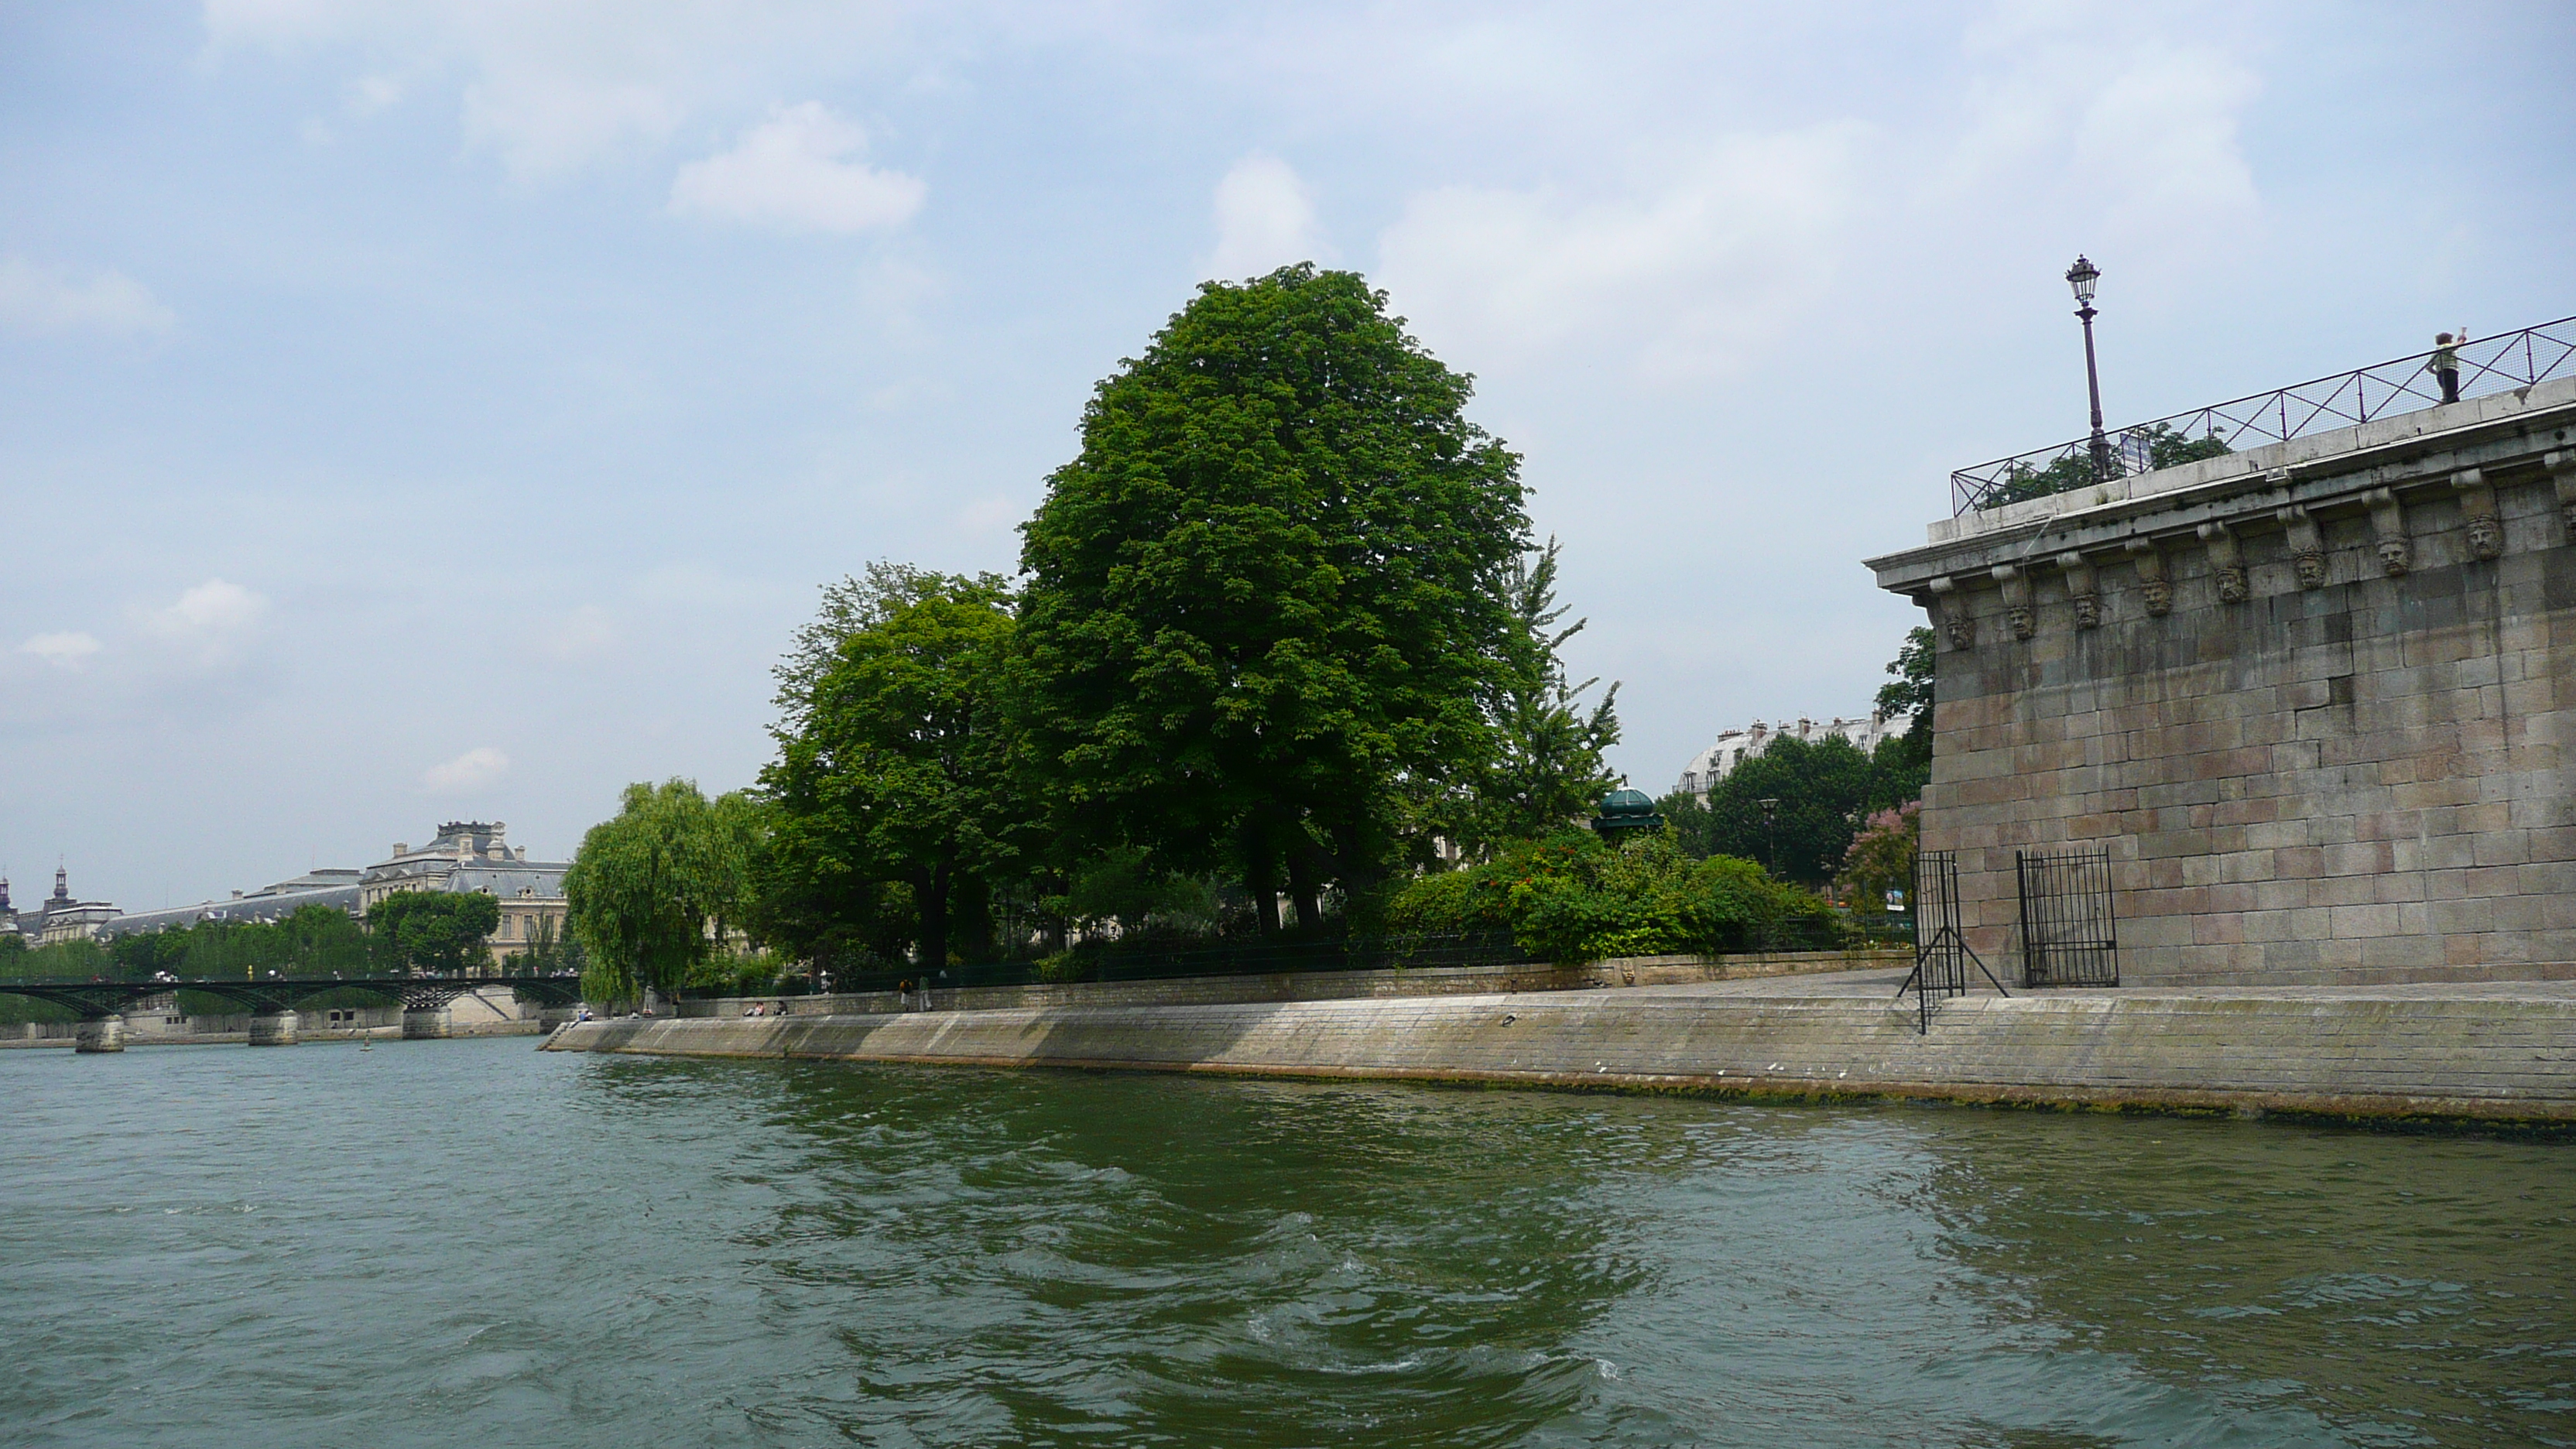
475	1243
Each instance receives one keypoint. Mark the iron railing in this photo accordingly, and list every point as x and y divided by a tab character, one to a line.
2488	365
1941	953
1343	953
2067	934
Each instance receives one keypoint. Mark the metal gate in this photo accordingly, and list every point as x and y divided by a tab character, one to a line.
2066	930
1941	953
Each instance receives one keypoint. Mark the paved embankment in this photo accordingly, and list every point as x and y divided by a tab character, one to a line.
2488	1051
1249	986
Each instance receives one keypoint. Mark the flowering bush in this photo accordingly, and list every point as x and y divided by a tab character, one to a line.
1881	857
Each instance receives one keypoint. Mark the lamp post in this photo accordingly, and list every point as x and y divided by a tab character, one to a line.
2082	276
1770	835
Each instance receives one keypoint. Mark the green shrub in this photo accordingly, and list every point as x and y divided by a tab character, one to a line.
1063	966
1573	897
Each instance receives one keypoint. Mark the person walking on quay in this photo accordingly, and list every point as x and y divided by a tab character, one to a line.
2445	365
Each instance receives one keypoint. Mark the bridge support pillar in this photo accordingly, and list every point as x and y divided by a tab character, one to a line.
275	1029
428	1023
106	1034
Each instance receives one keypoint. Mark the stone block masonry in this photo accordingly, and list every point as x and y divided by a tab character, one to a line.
2316	700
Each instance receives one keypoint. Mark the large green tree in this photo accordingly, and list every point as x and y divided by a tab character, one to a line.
1266	600
654	890
439	931
1824	788
1910	692
895	762
1546	769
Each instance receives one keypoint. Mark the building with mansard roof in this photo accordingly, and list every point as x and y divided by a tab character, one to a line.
336	888
465	855
1734	747
475	855
59	919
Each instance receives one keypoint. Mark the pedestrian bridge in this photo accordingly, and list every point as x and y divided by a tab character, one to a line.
271	1001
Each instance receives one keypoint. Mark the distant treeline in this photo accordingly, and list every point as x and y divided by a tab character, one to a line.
419	930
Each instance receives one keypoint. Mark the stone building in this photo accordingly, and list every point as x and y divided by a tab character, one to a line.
1734	747
336	888
474	855
59	919
464	856
2315	700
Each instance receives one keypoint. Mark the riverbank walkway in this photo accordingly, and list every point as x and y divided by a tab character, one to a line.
2494	1052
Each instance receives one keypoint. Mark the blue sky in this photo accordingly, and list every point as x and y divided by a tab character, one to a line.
417	411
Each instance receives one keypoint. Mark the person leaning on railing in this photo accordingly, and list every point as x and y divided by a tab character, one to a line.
2445	365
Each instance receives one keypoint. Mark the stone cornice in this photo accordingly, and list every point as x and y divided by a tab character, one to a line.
2467	447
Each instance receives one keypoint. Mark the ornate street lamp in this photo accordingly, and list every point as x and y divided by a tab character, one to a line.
2082	276
1770	834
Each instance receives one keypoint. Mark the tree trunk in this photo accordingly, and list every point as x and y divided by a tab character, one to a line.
1304	888
1261	874
931	890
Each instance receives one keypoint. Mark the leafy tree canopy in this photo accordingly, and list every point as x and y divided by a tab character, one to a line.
1267	599
901	767
1823	789
1546	768
654	890
439	931
858	601
1911	692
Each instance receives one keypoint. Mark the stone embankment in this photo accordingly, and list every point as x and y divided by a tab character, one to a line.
1316	985
2494	1052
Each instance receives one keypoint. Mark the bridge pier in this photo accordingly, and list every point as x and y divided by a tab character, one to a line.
102	1034
428	1023
275	1028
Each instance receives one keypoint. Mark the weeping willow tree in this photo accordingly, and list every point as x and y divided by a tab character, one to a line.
656	890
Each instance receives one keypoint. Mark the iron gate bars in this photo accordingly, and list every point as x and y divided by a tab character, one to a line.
2490	364
2067	938
1941	954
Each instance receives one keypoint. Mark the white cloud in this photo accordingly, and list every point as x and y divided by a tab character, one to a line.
2103	121
2167	127
1265	219
63	651
552	85
369	94
48	299
209	623
1688	275
586	631
797	172
477	769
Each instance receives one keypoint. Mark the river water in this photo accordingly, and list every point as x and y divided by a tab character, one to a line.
472	1242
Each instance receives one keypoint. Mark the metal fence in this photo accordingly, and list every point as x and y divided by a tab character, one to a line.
1346	953
1941	953
2067	933
2488	365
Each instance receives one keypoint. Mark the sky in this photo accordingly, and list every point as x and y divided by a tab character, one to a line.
416	411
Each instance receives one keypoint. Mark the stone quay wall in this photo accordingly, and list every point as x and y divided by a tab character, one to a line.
2460	1053
2317	701
1312	985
